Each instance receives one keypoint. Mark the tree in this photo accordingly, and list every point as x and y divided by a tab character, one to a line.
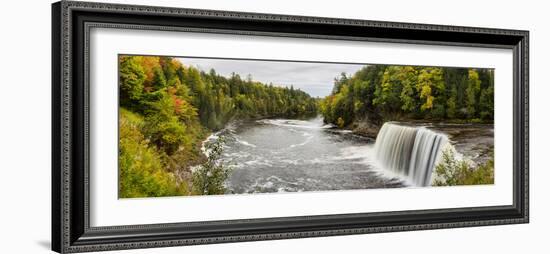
339	82
430	86
159	80
343	106
389	92
409	100
209	177
472	93
486	103
163	127
451	104
486	98
131	78
178	106
393	92
141	171
360	96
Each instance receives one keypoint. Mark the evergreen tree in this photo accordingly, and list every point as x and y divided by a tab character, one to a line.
131	78
472	93
159	80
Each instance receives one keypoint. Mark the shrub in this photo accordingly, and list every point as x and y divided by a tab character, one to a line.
141	171
163	126
209	178
452	170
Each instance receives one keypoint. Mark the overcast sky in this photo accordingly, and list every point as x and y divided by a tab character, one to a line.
316	79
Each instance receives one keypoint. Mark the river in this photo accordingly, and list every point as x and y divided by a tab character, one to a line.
282	155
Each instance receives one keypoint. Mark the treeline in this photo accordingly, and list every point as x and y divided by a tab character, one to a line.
216	98
380	93
168	109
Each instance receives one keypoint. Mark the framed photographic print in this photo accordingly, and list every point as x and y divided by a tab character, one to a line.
181	126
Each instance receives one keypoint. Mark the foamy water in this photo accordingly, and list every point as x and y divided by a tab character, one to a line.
281	155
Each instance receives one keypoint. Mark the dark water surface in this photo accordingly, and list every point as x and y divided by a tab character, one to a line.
280	155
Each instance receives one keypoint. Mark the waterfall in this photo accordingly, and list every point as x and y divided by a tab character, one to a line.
410	151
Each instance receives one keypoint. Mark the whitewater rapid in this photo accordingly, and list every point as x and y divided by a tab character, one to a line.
282	155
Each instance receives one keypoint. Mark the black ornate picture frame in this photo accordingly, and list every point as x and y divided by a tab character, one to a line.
71	230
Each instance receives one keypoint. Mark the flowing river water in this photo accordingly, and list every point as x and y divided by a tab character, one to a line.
282	155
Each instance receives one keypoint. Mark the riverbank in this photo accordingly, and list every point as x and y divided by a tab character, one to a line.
364	127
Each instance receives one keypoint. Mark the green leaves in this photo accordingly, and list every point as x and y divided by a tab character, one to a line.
163	126
430	84
487	95
452	170
173	107
168	108
209	177
405	92
131	78
159	80
141	172
472	93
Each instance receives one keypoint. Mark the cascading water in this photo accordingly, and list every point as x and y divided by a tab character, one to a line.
411	151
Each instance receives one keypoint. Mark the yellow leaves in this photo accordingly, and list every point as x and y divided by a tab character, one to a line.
429	79
428	104
472	74
408	69
149	63
141	172
176	63
426	93
340	122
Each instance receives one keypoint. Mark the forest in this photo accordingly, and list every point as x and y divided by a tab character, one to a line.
380	93
166	112
168	109
376	94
